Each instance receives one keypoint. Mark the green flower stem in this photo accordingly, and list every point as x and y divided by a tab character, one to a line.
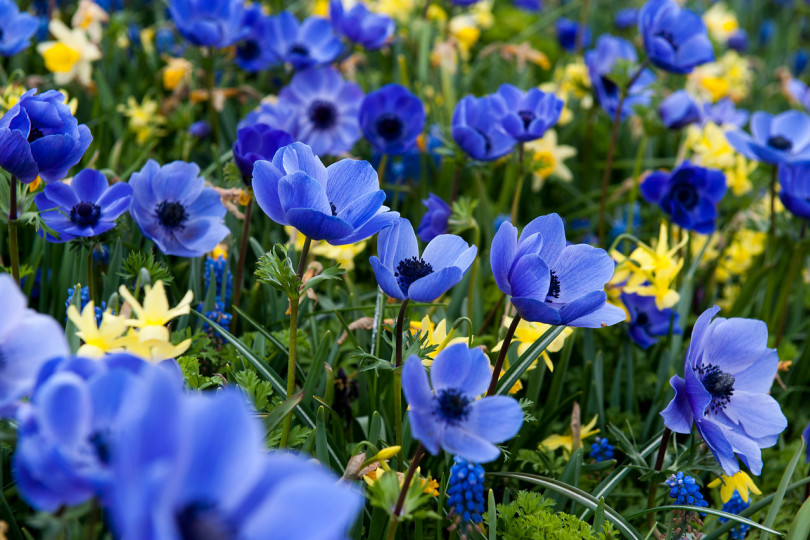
392	525
14	250
91	287
519	187
642	147
398	381
240	264
381	169
507	340
772	228
659	463
212	111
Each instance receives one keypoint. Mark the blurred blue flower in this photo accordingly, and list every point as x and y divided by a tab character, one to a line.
738	41
728	373
526	116
84	299
567	31
528	5
449	416
625	18
256	142
799	63
392	118
684	490
602	60
86	207
794	179
16	29
679	110
173	208
254	52
27	341
500	219
735	505
675	38
477	129
342	203
200	129
647	323
689	194
465	490
360	25
776	139
806	437
213	23
601	450
40	136
302	44
165	41
724	113
766	31
403	274
434	222
552	282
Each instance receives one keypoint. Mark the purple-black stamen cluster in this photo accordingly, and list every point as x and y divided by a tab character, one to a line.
719	384
452	406
171	214
411	269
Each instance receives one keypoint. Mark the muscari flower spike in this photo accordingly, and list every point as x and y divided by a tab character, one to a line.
444	411
434	222
601	450
648	323
392	118
526	116
302	44
734	506
465	491
84	299
676	39
685	490
784	138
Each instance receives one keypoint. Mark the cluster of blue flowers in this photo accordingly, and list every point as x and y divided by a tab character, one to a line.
685	490
217	275
84	298
465	491
601	450
735	505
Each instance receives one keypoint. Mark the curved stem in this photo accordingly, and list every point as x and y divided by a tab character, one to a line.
14	250
285	432
398	382
519	187
240	264
507	340
302	262
417	457
659	462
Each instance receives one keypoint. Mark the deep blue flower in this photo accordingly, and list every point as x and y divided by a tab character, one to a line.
724	113
676	39
392	118
601	62
550	281
175	210
27	341
216	272
165	42
40	136
86	207
625	18
685	490
322	110
794	179
200	129
257	142
776	139
213	23
196	466
253	52
306	44
679	110
689	194
526	116
528	5
434	222
735	505
16	29
361	26
84	299
738	41
800	59
647	322
465	490
601	450
342	203
728	373
766	31
402	273
449	416
478	131
806	437
567	31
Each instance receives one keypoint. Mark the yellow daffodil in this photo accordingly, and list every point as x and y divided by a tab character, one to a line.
343	255
144	119
549	159
98	339
220	252
721	22
70	56
176	73
153	315
89	17
10	96
436	335
464	28
398	9
429	485
709	146
552	442
147	38
730	76
527	333
738	257
739	482
152	346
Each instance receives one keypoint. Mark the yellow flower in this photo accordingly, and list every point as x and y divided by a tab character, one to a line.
343	255
398	9
552	442
739	255
429	485
70	56
709	146
155	312
739	482
738	176
466	31
11	95
98	339
88	17
176	72
320	8
147	37
549	159
721	22
527	333
436	335
730	76
144	118
220	252
153	348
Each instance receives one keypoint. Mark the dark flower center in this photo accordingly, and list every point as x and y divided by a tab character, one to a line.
409	270
85	214
685	194
669	37
299	50
453	406
249	50
334	209
389	127
527	117
322	114
171	214
610	87
778	142
101	443
642	319
201	520
34	134
553	288
487	141
719	384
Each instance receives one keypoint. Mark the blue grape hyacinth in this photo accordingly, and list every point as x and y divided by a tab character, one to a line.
601	450
465	491
685	490
735	505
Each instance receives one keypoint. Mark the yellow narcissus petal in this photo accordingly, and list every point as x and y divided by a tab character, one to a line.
60	58
739	482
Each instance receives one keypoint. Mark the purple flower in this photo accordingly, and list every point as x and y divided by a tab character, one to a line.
675	38
392	118
434	222
306	44
602	60
257	142
794	179
783	138
679	110
738	41
361	26
724	113
526	116
567	31
478	131
625	18
647	323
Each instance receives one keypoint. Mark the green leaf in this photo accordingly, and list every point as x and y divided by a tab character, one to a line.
800	528
492	522
276	269
333	272
704	510
272	420
321	450
779	496
526	359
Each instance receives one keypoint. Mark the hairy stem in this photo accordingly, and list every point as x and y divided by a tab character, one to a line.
417	457
398	381
507	340
302	262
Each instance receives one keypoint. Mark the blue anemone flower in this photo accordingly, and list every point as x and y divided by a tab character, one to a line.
728	372
302	44
360	25
528	5
738	41
552	282
806	437
86	207
342	203
567	31
625	18
434	222
445	413
16	29
794	178
647	323
602	60
40	136
213	23
253	52
478	131
526	116
465	490
392	118
724	113
256	142
689	194
402	273
774	139
27	341
175	210
675	38
685	490
323	110
679	110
